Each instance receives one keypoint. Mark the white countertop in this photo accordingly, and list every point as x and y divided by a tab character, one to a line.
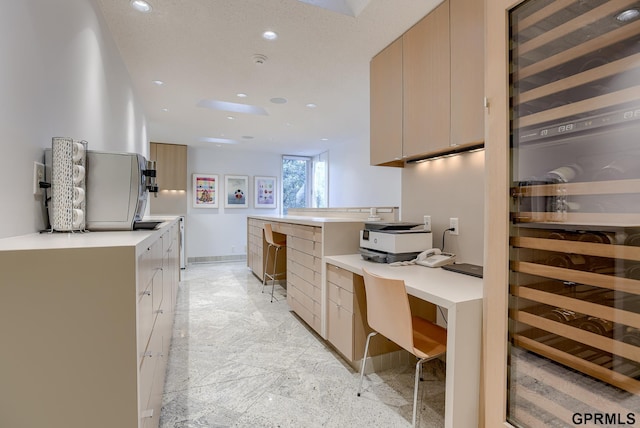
436	285
60	240
306	220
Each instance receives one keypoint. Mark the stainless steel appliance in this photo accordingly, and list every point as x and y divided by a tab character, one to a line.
183	260
117	188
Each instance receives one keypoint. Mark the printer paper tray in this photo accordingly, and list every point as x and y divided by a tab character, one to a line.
381	257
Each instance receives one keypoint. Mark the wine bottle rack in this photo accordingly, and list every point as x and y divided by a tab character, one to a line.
574	287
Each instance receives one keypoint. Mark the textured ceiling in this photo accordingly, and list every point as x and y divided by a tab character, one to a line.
204	51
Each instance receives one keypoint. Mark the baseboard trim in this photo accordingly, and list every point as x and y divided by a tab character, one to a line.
218	259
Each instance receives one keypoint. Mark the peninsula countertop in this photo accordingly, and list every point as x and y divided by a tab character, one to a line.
306	220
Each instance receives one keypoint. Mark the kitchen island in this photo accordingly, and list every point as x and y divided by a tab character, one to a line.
308	240
86	322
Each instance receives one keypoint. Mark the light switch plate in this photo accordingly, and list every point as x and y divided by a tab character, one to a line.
427	223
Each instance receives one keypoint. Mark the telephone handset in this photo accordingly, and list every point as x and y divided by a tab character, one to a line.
435	258
430	258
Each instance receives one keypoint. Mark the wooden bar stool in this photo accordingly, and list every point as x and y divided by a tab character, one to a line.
277	246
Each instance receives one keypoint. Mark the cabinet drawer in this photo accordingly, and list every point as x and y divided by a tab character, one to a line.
308	260
146	382
307	288
144	270
307	316
145	319
306	246
340	330
303	298
341	277
341	297
157	291
305	273
305	232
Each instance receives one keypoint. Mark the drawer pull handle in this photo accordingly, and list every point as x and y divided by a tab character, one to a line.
146	293
160	311
147	413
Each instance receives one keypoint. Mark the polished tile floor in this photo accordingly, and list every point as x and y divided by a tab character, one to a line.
237	360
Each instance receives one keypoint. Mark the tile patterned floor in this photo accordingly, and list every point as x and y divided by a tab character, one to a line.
237	360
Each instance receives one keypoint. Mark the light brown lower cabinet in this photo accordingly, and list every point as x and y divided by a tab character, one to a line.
86	322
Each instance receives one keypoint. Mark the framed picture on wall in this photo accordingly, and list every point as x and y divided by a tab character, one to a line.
265	192
237	191
205	191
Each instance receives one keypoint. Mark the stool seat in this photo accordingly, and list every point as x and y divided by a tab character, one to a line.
277	247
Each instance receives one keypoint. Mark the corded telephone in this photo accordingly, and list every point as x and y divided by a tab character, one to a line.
435	258
430	258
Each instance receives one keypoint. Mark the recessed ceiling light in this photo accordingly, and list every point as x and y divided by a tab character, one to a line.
232	107
217	140
165	109
241	95
158	82
628	15
247	137
269	35
278	100
312	105
324	139
230	117
141	6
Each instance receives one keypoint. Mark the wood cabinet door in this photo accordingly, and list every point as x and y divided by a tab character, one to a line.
171	165
340	329
467	71
426	83
386	106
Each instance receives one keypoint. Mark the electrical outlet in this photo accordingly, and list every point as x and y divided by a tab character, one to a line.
453	224
38	176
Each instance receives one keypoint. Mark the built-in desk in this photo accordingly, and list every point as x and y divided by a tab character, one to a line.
461	295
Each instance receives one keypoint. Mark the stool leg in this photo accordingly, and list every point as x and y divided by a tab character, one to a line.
275	272
264	271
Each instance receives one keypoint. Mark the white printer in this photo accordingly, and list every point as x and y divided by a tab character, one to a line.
393	242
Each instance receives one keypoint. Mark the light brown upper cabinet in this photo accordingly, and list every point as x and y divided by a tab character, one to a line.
426	83
440	63
171	165
386	106
467	71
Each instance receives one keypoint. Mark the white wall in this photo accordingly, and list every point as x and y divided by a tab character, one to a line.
444	188
355	183
61	75
223	231
215	232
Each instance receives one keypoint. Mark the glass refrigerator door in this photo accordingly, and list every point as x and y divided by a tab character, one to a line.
574	278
